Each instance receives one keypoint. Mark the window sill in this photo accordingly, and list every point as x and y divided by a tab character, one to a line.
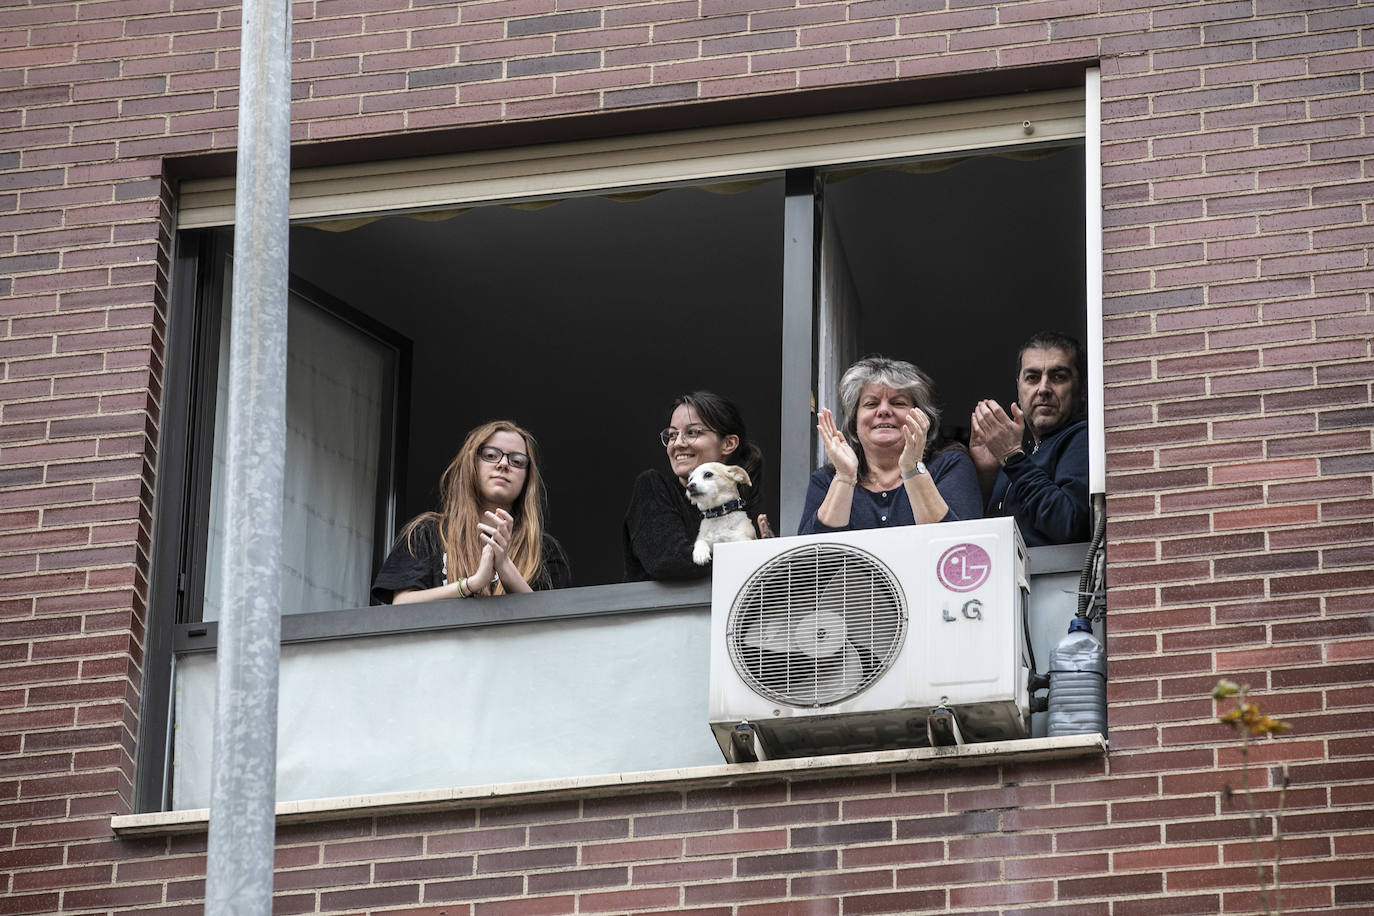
915	759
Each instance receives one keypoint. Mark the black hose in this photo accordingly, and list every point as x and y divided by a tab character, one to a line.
1086	584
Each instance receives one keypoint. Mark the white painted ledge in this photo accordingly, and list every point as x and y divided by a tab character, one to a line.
924	758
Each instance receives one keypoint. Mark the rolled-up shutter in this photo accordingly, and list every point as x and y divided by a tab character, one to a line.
656	160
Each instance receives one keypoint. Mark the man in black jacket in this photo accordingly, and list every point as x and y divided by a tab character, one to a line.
1033	463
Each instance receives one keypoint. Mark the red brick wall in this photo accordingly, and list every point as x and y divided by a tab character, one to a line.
1144	839
1237	155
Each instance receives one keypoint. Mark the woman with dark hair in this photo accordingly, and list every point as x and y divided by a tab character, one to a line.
877	475
488	536
661	525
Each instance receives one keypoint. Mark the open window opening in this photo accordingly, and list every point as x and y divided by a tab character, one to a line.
582	318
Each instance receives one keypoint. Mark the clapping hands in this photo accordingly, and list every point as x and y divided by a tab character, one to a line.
837	448
994	435
915	431
495	533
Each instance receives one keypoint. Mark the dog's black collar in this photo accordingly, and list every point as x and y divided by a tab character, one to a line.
734	505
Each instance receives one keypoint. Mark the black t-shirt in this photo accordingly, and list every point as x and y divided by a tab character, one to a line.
418	563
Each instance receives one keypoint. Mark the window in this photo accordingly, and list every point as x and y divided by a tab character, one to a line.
758	264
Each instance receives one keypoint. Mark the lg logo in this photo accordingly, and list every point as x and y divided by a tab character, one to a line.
963	567
973	610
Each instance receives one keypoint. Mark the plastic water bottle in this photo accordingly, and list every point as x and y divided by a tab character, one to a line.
1078	683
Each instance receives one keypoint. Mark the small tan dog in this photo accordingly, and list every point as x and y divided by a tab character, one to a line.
714	489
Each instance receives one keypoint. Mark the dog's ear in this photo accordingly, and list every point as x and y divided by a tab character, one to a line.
738	474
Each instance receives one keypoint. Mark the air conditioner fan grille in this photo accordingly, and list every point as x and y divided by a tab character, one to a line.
816	625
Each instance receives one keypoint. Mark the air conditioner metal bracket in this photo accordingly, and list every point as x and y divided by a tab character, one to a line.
745	746
942	728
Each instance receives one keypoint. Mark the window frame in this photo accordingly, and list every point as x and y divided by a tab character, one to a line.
185	454
186	465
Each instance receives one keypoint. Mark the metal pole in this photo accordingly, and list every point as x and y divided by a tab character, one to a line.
243	782
800	233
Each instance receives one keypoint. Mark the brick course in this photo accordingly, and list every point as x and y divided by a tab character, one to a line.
1236	143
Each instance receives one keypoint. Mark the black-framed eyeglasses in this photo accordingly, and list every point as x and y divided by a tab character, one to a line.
493	455
688	435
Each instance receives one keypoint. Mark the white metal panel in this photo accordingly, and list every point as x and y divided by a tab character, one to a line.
467	707
971	652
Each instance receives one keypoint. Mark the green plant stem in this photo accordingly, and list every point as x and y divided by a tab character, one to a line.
1254	823
1278	842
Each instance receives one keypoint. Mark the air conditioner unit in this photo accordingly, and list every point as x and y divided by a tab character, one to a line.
869	640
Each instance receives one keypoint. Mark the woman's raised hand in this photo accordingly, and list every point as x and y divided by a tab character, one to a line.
837	448
915	431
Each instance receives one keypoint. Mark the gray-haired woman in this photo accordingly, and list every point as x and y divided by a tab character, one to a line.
877	476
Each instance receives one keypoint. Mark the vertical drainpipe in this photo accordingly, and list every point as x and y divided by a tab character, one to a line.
243	781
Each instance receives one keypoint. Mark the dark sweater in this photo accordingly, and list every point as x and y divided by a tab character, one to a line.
954	475
659	531
1048	492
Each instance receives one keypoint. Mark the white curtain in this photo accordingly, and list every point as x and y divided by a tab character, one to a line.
335	381
837	325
